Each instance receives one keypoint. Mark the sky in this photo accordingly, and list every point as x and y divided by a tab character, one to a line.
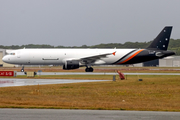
86	22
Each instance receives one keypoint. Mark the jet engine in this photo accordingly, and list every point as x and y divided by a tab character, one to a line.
71	64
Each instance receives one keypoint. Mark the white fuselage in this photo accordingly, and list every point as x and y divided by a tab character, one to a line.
59	56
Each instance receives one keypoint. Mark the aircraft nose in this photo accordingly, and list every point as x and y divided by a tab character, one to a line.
5	59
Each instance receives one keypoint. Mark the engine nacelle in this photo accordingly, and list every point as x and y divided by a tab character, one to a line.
71	64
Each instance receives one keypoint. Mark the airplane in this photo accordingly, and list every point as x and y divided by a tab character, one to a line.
75	58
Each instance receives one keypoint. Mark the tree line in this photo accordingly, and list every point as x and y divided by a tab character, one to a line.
174	45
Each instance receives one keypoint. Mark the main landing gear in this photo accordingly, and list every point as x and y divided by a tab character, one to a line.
89	69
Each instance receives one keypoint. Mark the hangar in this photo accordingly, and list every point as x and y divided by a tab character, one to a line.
173	61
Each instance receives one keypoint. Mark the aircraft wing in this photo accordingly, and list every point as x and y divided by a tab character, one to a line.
93	59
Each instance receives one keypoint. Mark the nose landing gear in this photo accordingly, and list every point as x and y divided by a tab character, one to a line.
22	69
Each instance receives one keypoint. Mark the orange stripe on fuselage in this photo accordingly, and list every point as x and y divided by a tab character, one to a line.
131	56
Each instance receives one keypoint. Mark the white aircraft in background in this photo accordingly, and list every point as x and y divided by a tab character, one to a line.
75	58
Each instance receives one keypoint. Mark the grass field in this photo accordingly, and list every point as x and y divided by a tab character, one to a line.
154	93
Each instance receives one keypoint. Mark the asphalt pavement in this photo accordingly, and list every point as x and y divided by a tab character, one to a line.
61	114
7	82
94	73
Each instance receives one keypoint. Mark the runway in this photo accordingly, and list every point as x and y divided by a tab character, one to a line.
52	114
7	82
94	73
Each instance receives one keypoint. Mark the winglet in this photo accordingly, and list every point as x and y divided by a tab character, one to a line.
114	53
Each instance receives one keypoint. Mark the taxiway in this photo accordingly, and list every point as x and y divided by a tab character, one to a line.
94	73
7	82
52	114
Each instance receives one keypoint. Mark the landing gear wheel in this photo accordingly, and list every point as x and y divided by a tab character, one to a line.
22	70
86	69
89	69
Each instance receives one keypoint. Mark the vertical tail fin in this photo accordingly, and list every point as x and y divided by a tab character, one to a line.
162	40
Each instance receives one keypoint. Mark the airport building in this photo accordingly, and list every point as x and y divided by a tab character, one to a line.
172	61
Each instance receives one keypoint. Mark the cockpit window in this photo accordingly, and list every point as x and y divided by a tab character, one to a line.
11	53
